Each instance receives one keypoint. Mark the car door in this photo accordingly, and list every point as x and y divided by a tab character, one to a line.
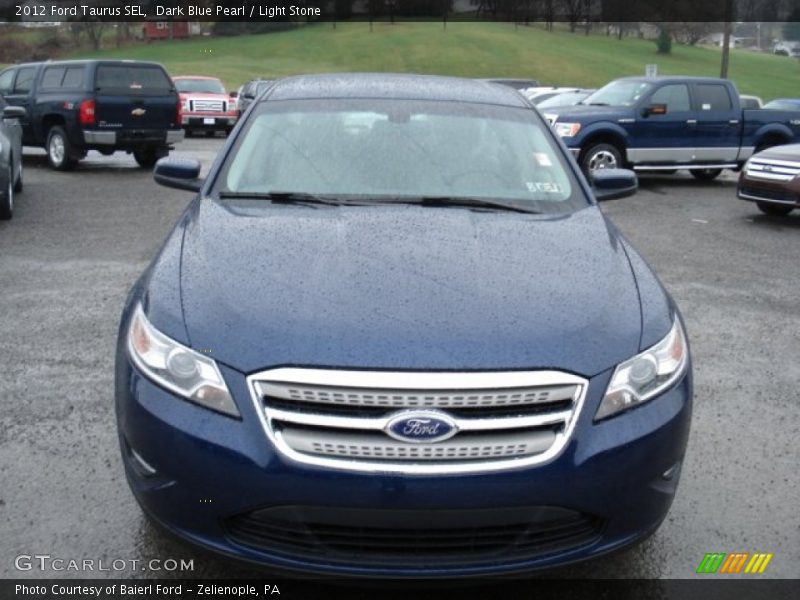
20	95
664	138
718	127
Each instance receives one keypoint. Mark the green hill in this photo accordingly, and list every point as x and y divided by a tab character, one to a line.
465	49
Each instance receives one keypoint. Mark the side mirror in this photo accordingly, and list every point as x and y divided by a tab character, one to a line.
233	94
179	173
610	184
654	109
14	112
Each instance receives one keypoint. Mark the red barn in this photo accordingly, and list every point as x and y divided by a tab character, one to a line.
166	30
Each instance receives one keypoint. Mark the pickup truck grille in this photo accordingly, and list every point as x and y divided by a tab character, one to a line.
209	106
772	169
344	419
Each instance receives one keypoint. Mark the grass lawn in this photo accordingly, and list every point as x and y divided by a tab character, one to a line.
465	49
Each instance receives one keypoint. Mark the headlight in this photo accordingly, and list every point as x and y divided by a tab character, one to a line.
647	374
567	129
177	368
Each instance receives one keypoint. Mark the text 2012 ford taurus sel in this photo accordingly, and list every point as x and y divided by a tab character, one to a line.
394	335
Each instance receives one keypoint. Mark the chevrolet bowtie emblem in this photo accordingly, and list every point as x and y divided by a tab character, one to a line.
138	112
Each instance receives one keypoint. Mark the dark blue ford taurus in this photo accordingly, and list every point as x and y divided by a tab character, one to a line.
394	335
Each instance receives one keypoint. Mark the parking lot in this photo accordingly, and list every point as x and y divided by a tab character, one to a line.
79	240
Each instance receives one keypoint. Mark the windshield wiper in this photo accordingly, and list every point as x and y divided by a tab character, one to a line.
599	104
285	198
465	201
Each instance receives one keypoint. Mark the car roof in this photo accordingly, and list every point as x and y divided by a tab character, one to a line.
674	79
205	77
394	86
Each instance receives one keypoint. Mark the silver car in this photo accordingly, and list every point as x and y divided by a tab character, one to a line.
10	157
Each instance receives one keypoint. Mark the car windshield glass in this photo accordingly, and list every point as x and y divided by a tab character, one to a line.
619	93
566	99
130	79
414	150
199	86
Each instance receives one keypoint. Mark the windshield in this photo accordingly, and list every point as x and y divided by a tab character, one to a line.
619	93
401	149
566	99
199	86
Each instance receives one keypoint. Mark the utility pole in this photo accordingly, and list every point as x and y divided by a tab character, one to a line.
726	39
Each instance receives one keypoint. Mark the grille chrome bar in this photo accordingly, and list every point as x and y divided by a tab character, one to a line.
370	446
539	411
771	169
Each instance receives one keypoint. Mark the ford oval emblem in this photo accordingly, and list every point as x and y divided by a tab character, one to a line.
421	427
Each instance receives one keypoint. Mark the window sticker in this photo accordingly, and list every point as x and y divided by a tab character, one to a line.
542	159
543	186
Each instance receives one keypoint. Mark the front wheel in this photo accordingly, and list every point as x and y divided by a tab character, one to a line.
706	174
18	184
600	156
59	150
776	210
7	197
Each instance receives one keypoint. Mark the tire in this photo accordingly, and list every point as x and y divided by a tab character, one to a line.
705	174
18	184
7	197
775	210
148	157
600	156
60	153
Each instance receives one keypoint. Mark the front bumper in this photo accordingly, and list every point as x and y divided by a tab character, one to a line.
196	470
769	192
208	122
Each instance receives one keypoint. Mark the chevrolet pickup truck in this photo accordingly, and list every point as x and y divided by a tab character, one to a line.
105	105
670	123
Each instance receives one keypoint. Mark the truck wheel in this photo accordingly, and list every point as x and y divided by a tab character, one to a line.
148	157
705	174
777	210
59	150
7	198
600	156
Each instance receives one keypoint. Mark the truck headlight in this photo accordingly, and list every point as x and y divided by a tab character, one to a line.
567	129
177	368
646	375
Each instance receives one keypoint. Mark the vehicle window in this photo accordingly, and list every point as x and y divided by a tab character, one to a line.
52	77
375	148
676	97
565	99
24	80
713	96
199	86
7	81
132	79
73	78
619	93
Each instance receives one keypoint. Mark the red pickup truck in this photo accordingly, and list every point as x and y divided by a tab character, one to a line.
206	105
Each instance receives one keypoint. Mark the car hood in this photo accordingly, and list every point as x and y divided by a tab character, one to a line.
789	152
406	287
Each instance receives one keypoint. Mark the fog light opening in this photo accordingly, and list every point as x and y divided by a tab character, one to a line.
141	466
672	472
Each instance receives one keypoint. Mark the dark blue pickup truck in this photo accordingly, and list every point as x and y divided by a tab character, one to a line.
110	105
669	123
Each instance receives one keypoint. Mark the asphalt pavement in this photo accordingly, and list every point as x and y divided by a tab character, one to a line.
79	240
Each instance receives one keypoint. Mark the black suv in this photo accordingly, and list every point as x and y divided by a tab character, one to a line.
104	105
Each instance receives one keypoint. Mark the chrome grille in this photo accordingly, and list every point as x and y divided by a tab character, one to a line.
772	169
340	419
207	106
